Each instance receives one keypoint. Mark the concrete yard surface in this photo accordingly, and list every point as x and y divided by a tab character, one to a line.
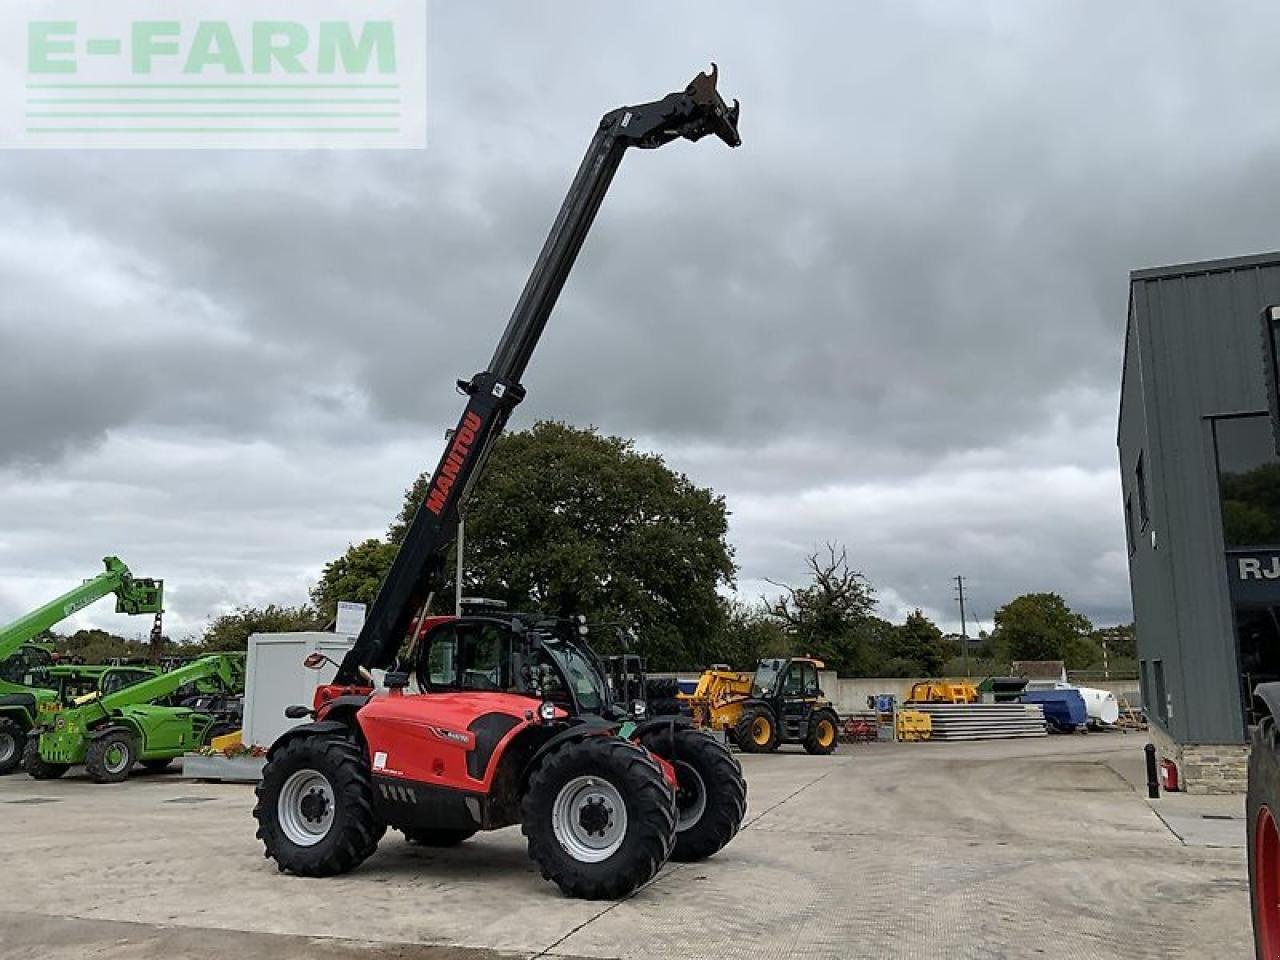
1002	849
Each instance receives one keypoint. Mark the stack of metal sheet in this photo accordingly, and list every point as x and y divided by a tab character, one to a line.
983	721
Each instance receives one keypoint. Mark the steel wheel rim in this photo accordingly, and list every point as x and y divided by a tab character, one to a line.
760	731
305	808
691	796
826	733
8	747
116	758
589	819
1266	883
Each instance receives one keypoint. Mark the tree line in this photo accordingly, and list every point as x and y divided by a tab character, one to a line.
568	521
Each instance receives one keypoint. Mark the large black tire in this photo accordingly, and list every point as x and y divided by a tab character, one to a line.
711	794
661	688
756	730
1263	810
110	758
158	765
12	739
35	765
823	735
439	837
315	807
670	707
576	791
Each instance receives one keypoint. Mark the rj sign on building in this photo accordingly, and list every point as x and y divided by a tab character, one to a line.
213	73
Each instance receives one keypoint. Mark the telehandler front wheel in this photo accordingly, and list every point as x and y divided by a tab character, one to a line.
315	807
823	735
12	738
711	794
757	731
600	817
36	766
110	758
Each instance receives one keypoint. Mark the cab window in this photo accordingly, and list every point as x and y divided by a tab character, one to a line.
793	686
442	660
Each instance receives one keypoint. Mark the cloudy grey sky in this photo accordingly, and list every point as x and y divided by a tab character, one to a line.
893	318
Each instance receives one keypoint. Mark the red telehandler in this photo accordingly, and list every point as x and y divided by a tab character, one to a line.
515	722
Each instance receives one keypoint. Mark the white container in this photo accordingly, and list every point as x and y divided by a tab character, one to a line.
275	678
1101	706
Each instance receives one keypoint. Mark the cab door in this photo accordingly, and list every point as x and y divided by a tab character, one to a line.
798	693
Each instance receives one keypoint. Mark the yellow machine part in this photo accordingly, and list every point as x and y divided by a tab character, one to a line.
913	725
943	691
227	740
716	703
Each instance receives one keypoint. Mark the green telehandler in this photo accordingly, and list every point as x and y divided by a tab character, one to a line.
25	664
117	724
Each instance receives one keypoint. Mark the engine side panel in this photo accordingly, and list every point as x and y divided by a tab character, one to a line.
450	740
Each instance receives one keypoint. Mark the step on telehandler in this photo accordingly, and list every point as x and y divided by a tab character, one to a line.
122	720
514	722
25	679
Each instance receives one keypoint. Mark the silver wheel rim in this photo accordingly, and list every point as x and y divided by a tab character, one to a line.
305	808
8	747
691	796
120	753
589	819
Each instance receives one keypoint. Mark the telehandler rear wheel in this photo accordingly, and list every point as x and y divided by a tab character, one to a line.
35	765
757	731
823	735
110	758
12	737
600	818
315	807
711	794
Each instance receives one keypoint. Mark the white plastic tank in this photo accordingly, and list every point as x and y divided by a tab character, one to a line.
1101	705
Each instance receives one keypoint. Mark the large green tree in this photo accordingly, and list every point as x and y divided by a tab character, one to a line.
920	642
231	631
569	521
830	616
1039	626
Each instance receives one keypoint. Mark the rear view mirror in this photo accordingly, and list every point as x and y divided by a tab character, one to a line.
297	712
315	661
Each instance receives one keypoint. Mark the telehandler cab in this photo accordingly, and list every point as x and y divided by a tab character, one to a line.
514	722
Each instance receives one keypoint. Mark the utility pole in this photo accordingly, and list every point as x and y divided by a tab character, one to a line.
964	631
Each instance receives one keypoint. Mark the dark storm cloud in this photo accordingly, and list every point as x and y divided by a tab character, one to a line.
911	275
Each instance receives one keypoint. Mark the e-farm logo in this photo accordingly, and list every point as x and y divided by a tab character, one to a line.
213	73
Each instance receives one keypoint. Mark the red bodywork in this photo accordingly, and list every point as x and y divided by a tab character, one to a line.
426	737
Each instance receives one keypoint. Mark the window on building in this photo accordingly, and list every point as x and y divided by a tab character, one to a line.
1161	694
1248	481
1140	478
1128	524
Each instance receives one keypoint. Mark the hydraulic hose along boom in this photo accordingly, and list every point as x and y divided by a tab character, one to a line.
691	114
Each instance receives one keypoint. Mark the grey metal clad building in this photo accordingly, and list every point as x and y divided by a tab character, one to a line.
1201	491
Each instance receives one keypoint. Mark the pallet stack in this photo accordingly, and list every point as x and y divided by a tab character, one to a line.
983	721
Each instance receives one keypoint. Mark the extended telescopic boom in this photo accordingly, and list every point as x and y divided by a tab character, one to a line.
691	114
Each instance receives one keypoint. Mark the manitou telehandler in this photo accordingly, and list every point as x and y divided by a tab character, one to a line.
24	665
513	722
